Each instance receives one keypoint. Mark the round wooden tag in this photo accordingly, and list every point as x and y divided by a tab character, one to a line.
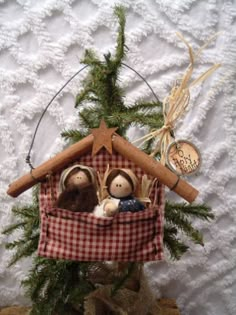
183	157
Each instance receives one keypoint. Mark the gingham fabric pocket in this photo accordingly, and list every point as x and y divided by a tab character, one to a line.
84	237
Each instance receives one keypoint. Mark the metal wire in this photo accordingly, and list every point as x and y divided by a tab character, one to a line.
154	94
28	157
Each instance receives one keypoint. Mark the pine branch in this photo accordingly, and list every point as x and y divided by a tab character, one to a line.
120	48
146	106
200	211
90	121
178	219
24	248
28	216
90	58
74	135
175	247
14	227
101	83
25	211
47	290
129	118
84	95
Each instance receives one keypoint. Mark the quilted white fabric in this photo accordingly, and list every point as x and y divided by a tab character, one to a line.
41	43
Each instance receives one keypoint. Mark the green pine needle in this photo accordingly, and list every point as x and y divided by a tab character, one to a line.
121	48
200	211
73	135
175	247
55	284
177	217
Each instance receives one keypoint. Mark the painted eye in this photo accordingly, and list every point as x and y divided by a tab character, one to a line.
120	185
117	185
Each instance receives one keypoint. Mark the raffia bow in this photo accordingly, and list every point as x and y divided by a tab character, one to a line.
175	104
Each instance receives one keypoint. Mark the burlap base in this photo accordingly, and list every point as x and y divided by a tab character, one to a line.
124	302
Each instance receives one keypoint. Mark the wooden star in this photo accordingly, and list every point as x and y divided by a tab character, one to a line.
102	138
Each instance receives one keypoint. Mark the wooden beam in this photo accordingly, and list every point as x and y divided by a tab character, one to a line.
154	168
55	164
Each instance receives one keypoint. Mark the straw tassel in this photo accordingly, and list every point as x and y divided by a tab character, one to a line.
175	104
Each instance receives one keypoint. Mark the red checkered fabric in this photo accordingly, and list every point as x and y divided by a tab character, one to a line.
83	237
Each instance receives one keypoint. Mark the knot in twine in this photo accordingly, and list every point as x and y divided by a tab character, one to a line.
169	127
175	104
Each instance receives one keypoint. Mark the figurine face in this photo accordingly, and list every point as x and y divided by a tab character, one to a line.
79	179
120	187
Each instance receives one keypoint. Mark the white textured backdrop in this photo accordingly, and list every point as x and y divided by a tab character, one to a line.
41	43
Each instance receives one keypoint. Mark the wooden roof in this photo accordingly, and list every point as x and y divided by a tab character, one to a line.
92	143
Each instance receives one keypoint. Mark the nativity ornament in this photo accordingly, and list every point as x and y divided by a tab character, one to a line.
125	223
85	225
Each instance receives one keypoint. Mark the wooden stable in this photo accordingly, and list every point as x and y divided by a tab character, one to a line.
104	137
